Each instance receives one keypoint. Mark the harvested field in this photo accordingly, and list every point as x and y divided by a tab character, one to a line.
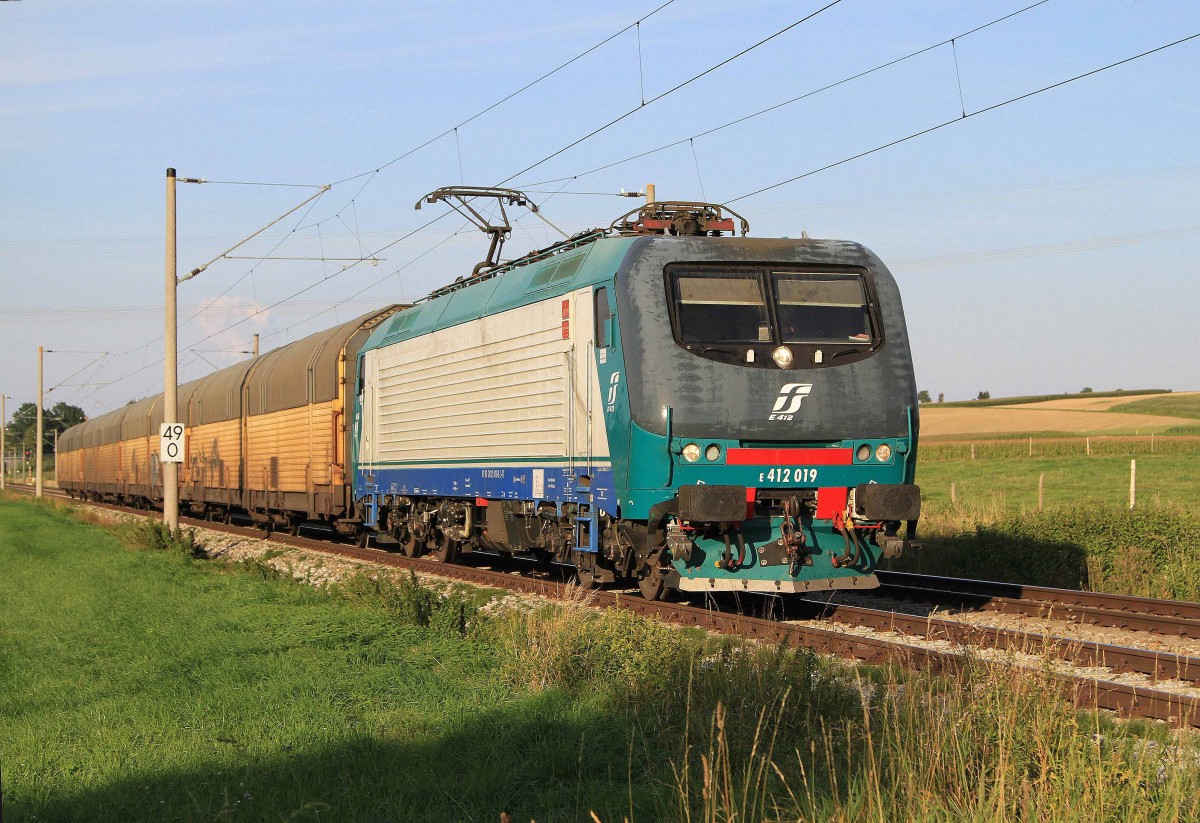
1086	403
1040	417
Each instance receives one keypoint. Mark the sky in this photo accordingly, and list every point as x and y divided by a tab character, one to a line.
1040	246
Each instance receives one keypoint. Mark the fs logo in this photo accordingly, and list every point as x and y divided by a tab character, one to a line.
611	400
789	400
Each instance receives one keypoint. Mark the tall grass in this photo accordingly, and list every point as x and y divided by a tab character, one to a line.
752	733
141	685
1149	551
990	748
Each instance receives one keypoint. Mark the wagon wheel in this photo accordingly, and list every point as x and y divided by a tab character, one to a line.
364	537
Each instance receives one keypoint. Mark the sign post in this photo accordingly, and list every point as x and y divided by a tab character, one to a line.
170	442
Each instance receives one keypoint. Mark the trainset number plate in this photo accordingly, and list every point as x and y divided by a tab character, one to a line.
788	475
170	442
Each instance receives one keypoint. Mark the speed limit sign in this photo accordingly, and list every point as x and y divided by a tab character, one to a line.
170	442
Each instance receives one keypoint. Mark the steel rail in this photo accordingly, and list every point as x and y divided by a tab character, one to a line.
1121	659
1176	618
1083	692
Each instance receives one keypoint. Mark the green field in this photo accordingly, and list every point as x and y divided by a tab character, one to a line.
1168	405
1010	484
1085	537
148	685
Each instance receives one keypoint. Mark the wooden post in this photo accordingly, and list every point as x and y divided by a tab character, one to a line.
1152	444
972	451
41	435
1041	491
953	495
1089	447
1031	447
1132	482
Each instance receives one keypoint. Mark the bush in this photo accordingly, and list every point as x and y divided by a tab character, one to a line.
411	603
153	535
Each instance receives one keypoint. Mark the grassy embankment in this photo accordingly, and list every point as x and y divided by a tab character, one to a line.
147	685
1086	536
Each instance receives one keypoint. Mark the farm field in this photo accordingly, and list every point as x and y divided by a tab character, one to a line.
1010	484
1082	415
1086	536
147	685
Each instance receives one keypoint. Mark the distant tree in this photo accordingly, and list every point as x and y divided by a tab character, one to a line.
984	395
941	397
60	417
923	397
1086	390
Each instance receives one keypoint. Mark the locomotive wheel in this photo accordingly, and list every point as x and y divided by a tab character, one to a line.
447	550
409	545
651	581
586	573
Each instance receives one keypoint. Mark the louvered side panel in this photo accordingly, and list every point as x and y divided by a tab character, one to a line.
493	388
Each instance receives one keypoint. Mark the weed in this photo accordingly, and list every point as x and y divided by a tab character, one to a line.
154	536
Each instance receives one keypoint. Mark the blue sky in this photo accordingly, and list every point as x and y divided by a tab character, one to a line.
1044	246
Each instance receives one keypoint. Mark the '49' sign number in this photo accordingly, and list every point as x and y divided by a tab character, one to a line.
170	442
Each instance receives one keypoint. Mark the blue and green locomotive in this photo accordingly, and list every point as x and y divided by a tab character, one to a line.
662	401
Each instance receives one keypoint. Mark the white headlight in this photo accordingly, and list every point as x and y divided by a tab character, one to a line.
713	452
782	357
691	452
883	452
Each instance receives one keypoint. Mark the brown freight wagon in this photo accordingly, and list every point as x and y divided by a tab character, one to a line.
269	437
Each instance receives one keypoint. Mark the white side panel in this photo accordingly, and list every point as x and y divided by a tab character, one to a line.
508	386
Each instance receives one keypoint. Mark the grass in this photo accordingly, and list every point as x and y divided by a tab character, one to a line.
1168	405
144	684
1086	537
1010	484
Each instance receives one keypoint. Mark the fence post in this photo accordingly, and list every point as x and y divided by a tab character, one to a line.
1152	444
953	495
1041	491
972	451
1132	482
1089	447
1031	447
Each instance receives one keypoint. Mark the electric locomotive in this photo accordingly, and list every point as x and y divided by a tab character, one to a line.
666	400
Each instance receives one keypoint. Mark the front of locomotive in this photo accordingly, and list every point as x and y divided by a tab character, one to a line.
772	411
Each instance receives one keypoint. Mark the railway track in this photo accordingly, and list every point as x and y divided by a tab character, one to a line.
1088	692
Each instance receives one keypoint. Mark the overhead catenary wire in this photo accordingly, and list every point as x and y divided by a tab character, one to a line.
798	98
574	143
509	96
677	87
966	116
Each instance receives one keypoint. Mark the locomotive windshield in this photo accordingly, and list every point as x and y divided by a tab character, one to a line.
721	308
748	305
822	307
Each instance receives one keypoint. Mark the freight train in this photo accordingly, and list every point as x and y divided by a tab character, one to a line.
664	401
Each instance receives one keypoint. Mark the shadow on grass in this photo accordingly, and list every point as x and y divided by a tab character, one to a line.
539	758
998	554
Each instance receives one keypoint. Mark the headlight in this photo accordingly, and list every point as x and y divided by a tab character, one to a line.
691	452
713	452
782	357
883	452
863	453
